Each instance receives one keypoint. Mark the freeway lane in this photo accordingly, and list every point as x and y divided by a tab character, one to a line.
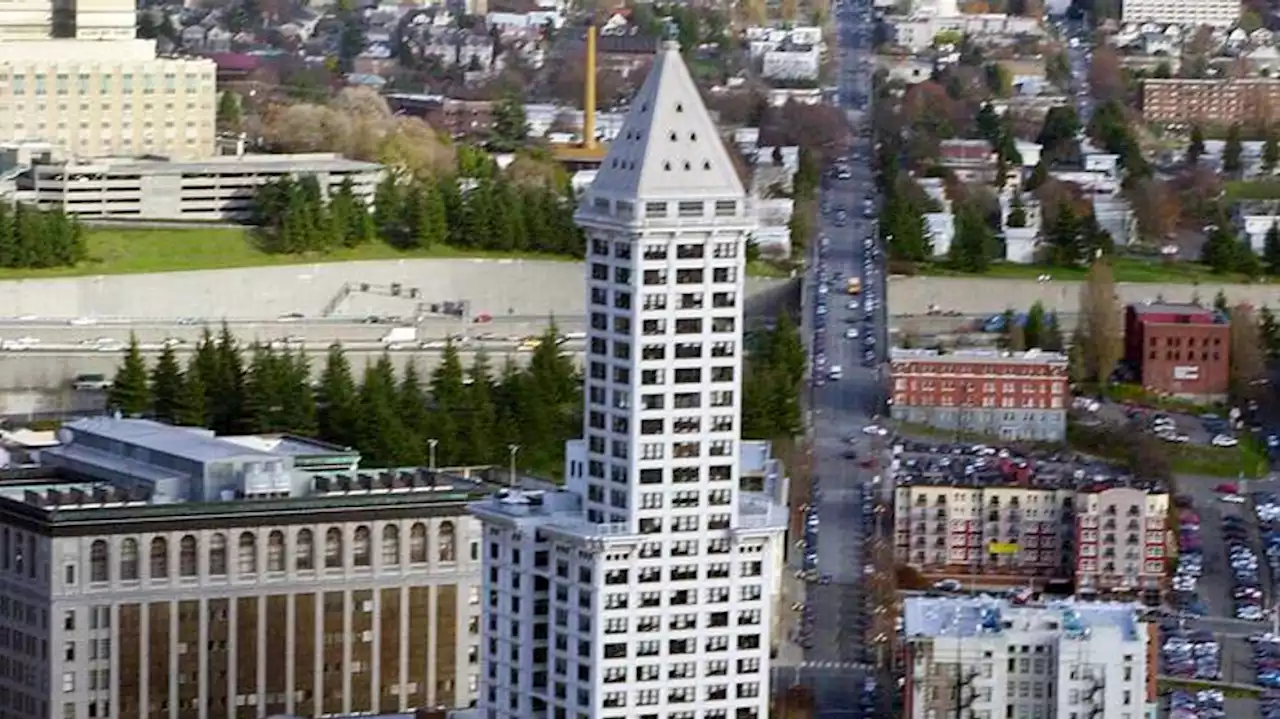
839	409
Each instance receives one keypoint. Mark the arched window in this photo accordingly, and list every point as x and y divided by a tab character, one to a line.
448	551
129	560
218	555
333	548
247	554
391	545
98	561
418	543
188	556
159	558
361	552
305	550
275	551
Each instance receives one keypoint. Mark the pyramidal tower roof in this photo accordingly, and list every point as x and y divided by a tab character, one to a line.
669	148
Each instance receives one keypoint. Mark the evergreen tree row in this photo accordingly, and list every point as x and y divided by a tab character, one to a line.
31	237
472	414
772	382
490	213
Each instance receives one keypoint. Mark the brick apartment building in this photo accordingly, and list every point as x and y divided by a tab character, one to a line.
1013	395
1210	102
1178	349
1120	539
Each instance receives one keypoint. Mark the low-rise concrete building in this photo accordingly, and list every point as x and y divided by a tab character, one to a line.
917	32
1255	219
792	63
218	188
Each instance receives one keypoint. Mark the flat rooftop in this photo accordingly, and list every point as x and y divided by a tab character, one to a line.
1147	311
1046	482
968	617
229	164
1037	357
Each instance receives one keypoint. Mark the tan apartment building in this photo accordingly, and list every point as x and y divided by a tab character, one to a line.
154	572
1105	536
1219	101
107	98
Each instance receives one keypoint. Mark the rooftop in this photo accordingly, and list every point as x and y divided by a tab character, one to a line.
992	478
301	163
1157	312
1032	356
669	148
967	617
199	445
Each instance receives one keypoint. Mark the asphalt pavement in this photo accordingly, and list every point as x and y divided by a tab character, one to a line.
834	659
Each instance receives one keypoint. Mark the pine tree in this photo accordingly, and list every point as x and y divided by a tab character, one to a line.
129	393
226	386
190	410
1271	250
297	398
411	401
1232	151
1195	148
262	401
166	386
1221	251
1270	152
1269	332
380	431
1052	335
481	418
449	400
970	248
1220	302
388	207
337	407
1034	329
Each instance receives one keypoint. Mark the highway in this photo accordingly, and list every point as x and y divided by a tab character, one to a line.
68	337
835	658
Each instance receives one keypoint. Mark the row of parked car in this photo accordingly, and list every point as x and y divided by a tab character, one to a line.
1186	576
1267	507
1204	704
1190	654
1246	581
1266	661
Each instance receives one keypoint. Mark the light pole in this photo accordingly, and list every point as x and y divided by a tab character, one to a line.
431	453
513	449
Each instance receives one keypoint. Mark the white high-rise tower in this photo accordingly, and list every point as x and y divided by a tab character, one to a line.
644	589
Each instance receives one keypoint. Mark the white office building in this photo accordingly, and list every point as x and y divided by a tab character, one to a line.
1189	13
643	588
985	657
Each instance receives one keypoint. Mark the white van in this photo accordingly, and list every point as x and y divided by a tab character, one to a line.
835	373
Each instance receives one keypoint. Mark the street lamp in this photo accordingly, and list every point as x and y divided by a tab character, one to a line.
513	449
431	453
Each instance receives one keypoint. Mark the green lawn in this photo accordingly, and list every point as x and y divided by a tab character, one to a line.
1126	269
126	251
1236	190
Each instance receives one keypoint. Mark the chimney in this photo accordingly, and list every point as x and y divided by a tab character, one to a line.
589	94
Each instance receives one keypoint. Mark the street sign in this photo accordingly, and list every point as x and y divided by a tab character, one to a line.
1002	548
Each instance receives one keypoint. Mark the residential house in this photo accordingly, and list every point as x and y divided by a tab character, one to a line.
940	226
906	70
623	49
792	63
1254	219
969	160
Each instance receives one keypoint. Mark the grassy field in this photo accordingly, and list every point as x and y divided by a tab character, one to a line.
129	251
1127	269
1252	190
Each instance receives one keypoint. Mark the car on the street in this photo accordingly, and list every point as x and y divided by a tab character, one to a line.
1232	498
851	333
948	585
90	383
875	430
1224	440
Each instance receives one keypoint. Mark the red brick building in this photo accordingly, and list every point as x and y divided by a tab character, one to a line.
1014	395
1178	349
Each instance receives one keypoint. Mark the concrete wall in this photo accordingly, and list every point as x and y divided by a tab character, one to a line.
498	287
978	296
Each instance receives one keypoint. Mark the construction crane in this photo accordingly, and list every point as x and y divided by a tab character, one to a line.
590	152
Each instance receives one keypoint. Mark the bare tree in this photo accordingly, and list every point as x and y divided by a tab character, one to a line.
1101	332
1106	80
1247	358
1156	207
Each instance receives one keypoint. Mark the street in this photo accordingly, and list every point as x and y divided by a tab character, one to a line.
841	407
